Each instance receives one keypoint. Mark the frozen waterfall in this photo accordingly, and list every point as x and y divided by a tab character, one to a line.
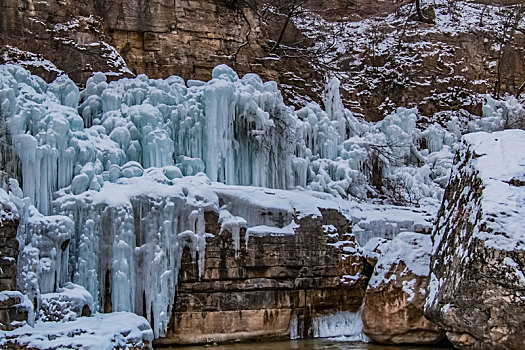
116	177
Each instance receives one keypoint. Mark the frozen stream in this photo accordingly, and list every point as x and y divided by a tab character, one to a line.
308	344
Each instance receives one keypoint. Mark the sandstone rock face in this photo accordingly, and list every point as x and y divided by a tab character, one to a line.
276	285
156	37
393	308
477	290
56	37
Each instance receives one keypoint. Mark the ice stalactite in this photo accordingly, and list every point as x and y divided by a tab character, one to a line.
127	247
43	246
237	130
233	224
343	324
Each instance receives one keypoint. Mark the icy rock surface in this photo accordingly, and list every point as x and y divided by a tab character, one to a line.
396	293
409	248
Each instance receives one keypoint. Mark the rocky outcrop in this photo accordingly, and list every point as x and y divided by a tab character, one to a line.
156	37
393	307
273	287
477	289
8	253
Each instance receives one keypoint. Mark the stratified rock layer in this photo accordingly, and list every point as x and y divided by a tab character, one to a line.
393	308
477	291
387	56
276	285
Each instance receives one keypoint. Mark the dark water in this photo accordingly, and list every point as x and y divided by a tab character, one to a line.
310	344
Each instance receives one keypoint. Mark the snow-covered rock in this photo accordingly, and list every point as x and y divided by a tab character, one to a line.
477	289
16	311
394	300
119	330
66	304
374	248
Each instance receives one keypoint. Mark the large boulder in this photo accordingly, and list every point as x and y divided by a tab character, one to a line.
477	291
394	299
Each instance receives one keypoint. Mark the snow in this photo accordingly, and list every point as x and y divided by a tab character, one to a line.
66	304
408	288
412	249
499	161
28	59
329	228
264	230
515	266
375	247
232	224
102	331
8	210
349	279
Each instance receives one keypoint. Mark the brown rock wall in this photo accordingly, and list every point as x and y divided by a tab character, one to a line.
435	71
396	295
273	280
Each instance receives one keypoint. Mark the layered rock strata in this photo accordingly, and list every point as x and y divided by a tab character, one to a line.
274	287
387	57
15	309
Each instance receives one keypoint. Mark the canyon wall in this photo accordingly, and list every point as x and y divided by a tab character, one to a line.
384	56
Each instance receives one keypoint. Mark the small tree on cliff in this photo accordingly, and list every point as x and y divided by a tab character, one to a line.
289	9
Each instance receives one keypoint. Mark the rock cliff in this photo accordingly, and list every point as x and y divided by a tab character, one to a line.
273	287
15	309
477	287
384	56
